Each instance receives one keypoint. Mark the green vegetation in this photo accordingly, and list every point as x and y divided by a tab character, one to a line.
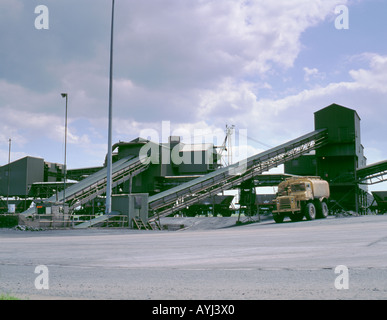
7	297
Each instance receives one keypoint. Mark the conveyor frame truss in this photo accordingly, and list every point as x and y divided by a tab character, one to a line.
375	178
373	173
95	185
92	191
232	176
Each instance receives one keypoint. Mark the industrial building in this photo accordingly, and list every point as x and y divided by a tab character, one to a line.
339	160
163	171
29	178
151	180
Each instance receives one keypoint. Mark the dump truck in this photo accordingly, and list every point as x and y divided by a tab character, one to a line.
300	197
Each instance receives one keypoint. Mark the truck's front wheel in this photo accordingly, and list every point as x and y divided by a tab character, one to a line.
278	217
310	211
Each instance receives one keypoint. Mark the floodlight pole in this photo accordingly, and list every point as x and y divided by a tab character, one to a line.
109	156
9	171
65	95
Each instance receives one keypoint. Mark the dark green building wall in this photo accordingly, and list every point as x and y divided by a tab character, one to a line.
303	166
22	173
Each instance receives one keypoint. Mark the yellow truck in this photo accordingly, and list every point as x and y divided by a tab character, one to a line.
300	197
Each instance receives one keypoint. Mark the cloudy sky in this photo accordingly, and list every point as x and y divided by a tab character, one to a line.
263	66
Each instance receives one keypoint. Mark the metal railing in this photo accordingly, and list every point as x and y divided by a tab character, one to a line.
116	221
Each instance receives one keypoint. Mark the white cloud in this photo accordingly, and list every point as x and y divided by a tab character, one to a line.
198	64
366	94
374	78
313	74
173	59
205	40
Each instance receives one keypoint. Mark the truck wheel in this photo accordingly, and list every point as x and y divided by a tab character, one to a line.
278	218
322	210
295	217
310	211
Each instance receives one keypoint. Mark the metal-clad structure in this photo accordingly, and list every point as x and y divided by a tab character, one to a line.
173	160
20	175
340	160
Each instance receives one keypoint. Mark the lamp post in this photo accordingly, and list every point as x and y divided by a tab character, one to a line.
109	156
9	171
65	95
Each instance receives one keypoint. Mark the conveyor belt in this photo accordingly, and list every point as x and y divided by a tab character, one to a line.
373	173
176	198
179	197
95	184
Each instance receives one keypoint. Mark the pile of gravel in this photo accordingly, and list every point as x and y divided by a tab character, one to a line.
27	228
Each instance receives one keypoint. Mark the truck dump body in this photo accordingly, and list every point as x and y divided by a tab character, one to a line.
320	188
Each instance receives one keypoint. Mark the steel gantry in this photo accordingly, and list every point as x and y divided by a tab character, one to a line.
230	177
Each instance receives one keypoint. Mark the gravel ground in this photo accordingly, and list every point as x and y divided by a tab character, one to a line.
250	262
